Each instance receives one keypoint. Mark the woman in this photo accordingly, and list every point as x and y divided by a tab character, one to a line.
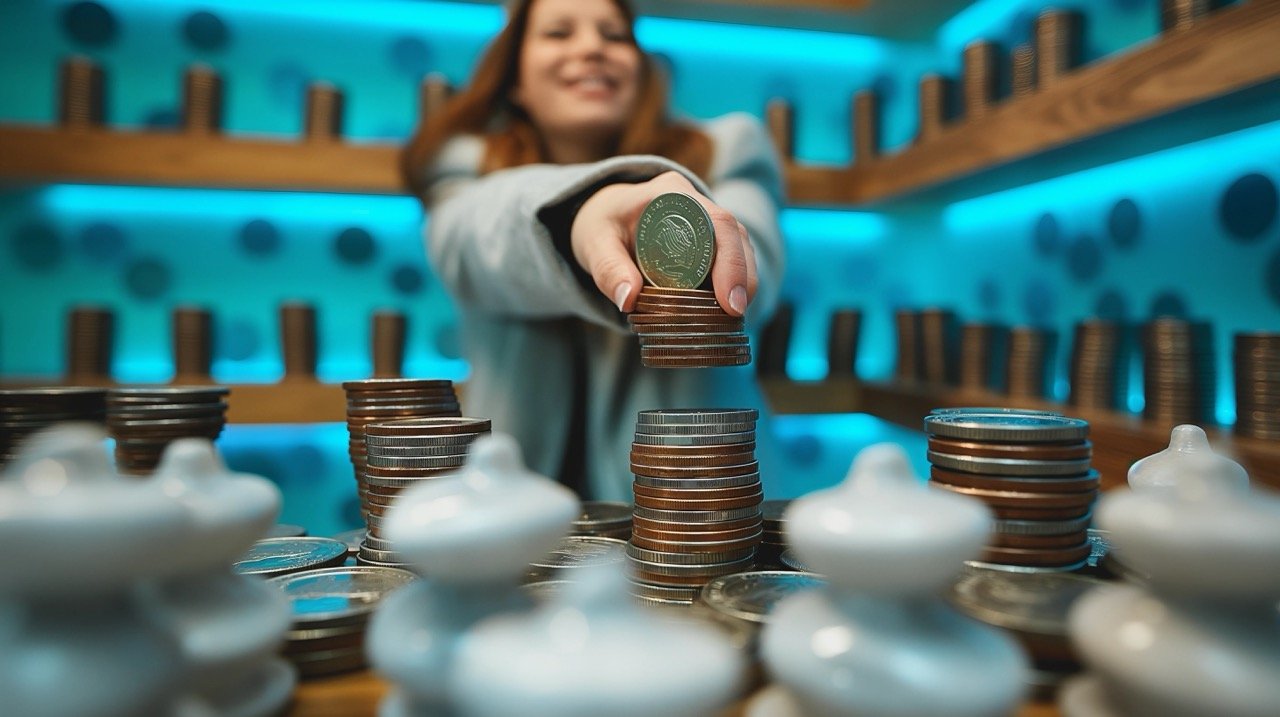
534	178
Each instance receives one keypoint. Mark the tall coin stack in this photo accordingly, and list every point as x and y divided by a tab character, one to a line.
979	344
1027	365
90	339
400	454
144	420
909	366
697	500
938	345
1257	367
373	400
1095	373
1033	471
24	411
686	328
1178	372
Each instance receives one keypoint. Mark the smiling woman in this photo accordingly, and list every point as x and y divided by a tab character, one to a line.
535	177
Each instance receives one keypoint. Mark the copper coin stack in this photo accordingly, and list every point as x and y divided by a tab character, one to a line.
909	366
774	541
686	328
1026	367
1178	375
978	348
1096	360
400	454
697	500
24	411
938	345
1032	470
842	342
144	420
1257	370
375	400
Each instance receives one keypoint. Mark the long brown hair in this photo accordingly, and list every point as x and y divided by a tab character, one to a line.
511	139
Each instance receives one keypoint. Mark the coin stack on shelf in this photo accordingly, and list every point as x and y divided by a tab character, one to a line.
842	342
909	366
979	344
389	399
331	609
24	411
192	328
603	519
1096	360
90	341
1033	471
1257	371
775	341
144	420
937	345
1026	368
697	500
774	542
400	454
1178	372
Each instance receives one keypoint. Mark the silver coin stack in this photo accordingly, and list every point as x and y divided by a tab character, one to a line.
697	501
143	421
273	557
24	411
331	610
774	542
604	520
1257	371
400	454
573	553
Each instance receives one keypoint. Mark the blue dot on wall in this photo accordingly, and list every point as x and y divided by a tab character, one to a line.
287	83
1169	303
1249	207
36	246
1112	306
161	118
1039	303
90	24
1047	235
407	279
147	278
989	294
1124	223
354	246
259	237
803	450
237	340
205	31
104	243
448	342
1272	278
411	56
1084	258
899	296
858	270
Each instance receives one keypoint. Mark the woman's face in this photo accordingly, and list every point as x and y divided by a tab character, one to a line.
579	69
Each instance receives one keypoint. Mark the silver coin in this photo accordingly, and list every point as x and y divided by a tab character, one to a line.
338	595
406	481
693	429
684	546
1009	427
662	602
751	596
385	451
1026	602
696	440
384	557
1008	466
697	516
991	411
698	570
973	565
279	556
1042	527
664	558
580	551
664	592
791	560
374	460
698	483
675	242
450	439
378	543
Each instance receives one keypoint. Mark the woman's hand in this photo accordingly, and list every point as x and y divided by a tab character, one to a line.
603	241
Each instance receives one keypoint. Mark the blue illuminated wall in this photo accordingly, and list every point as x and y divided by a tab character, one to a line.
1188	231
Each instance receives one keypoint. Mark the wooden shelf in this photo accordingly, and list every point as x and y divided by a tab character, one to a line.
1119	439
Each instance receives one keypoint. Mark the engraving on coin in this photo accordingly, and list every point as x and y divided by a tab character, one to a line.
675	242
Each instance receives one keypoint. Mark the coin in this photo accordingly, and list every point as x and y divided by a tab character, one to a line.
1008	466
338	596
667	526
640	457
752	596
1075	450
429	426
644	501
1029	603
578	551
640	469
657	556
1036	527
685	416
697	483
279	556
675	242
678	429
1032	557
1067	540
1071	484
716	439
693	341
1011	427
697	494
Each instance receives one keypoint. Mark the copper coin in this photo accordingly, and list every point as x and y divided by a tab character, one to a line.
653	352
383	384
711	494
1090	481
644	501
1040	542
681	537
1032	557
674	340
696	471
651	328
666	526
693	461
384	492
393	413
646	306
1023	500
696	362
701	298
696	546
644	320
389	472
1072	450
672	579
727	449
1054	515
430	427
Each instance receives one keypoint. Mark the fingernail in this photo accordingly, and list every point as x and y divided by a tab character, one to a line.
738	299
621	294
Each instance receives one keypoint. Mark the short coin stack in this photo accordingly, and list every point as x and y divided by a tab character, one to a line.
686	328
1178	376
400	454
1033	471
1096	360
1257	371
144	420
697	500
774	542
24	411
376	400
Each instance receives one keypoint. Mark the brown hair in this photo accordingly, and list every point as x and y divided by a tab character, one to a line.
514	140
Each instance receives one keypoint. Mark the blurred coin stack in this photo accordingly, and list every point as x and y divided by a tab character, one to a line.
1178	372
697	500
603	519
144	420
331	610
1257	369
90	339
774	541
909	350
775	342
1032	470
938	345
400	454
192	345
1095	372
1184	14
842	342
686	328
1027	365
24	411
979	344
377	400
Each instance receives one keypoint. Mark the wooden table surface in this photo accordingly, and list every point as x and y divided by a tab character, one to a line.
357	694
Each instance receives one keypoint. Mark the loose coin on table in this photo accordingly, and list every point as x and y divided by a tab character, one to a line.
273	557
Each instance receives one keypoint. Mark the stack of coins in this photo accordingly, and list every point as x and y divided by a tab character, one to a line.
935	92
192	345
1095	373
90	339
842	342
400	454
299	341
574	553
1257	369
603	520
697	496
1027	363
908	367
1184	14
1178	372
331	609
775	342
978	348
1023	79
388	399
981	78
866	127
24	411
1033	471
774	541
938	345
144	420
686	328
1059	44
273	557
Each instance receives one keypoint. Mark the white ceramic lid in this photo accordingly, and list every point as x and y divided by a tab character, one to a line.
1188	452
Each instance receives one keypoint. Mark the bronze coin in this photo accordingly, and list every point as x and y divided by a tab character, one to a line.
696	471
1033	514
386	384
696	546
696	362
644	320
1071	450
674	580
1031	557
1040	542
648	306
728	328
717	536
693	461
1022	500
714	494
1090	481
675	340
644	501
727	449
663	526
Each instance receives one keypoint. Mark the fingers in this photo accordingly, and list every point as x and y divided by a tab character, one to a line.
753	278
614	271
